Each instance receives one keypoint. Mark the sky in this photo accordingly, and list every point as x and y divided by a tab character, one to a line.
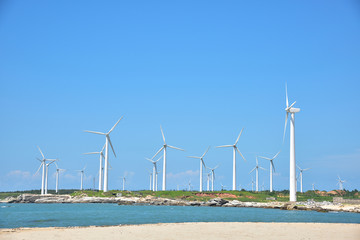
203	70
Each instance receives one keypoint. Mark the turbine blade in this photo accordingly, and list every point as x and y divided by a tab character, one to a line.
102	149
225	146
175	148
39	159
57	167
162	133
194	157
159	159
100	133
41	152
115	125
276	155
239	136
286	119
111	145
205	152
38	169
306	169
262	168
241	154
298	167
252	170
92	153
292	105
158	152
265	158
273	165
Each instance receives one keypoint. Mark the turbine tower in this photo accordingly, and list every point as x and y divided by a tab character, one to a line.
154	181
43	165
272	169
257	173
124	180
106	167
202	163
301	177
290	109
58	171
208	181
150	173
164	163
340	183
46	175
235	148
101	169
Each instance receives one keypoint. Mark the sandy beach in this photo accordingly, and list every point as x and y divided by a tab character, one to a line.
199	231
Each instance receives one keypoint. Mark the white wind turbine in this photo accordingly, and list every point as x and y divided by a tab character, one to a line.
101	169
257	173
82	176
340	183
164	159
46	175
272	169
202	163
290	109
150	174
106	167
155	173
208	181
43	165
124	180
58	171
235	148
301	177
212	176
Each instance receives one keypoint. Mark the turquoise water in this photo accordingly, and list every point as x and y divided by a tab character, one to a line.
88	214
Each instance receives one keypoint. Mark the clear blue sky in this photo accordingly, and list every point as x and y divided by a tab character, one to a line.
201	69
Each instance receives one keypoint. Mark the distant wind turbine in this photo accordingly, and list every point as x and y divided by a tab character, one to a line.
213	176
58	171
164	159
43	165
124	180
82	173
301	177
235	148
257	173
155	173
202	163
101	169
106	167
290	109
272	169
340	183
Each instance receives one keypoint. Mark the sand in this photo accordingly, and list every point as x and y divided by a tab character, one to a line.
198	231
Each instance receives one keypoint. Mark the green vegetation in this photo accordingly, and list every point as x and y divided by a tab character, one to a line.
244	196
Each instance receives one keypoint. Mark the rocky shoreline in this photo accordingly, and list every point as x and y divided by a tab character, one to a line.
215	202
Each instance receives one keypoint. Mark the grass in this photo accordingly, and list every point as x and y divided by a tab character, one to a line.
244	196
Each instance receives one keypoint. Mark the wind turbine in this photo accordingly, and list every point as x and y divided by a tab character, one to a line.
43	165
272	168
290	109
252	184
202	163
124	180
223	187
150	180
189	188
58	171
208	181
257	173
82	176
101	154
301	177
213	176
106	167
164	163
340	183
154	172
313	186
235	148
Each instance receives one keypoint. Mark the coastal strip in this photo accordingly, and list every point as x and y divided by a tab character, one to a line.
324	206
199	231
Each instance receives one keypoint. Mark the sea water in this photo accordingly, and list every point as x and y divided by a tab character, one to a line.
100	214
